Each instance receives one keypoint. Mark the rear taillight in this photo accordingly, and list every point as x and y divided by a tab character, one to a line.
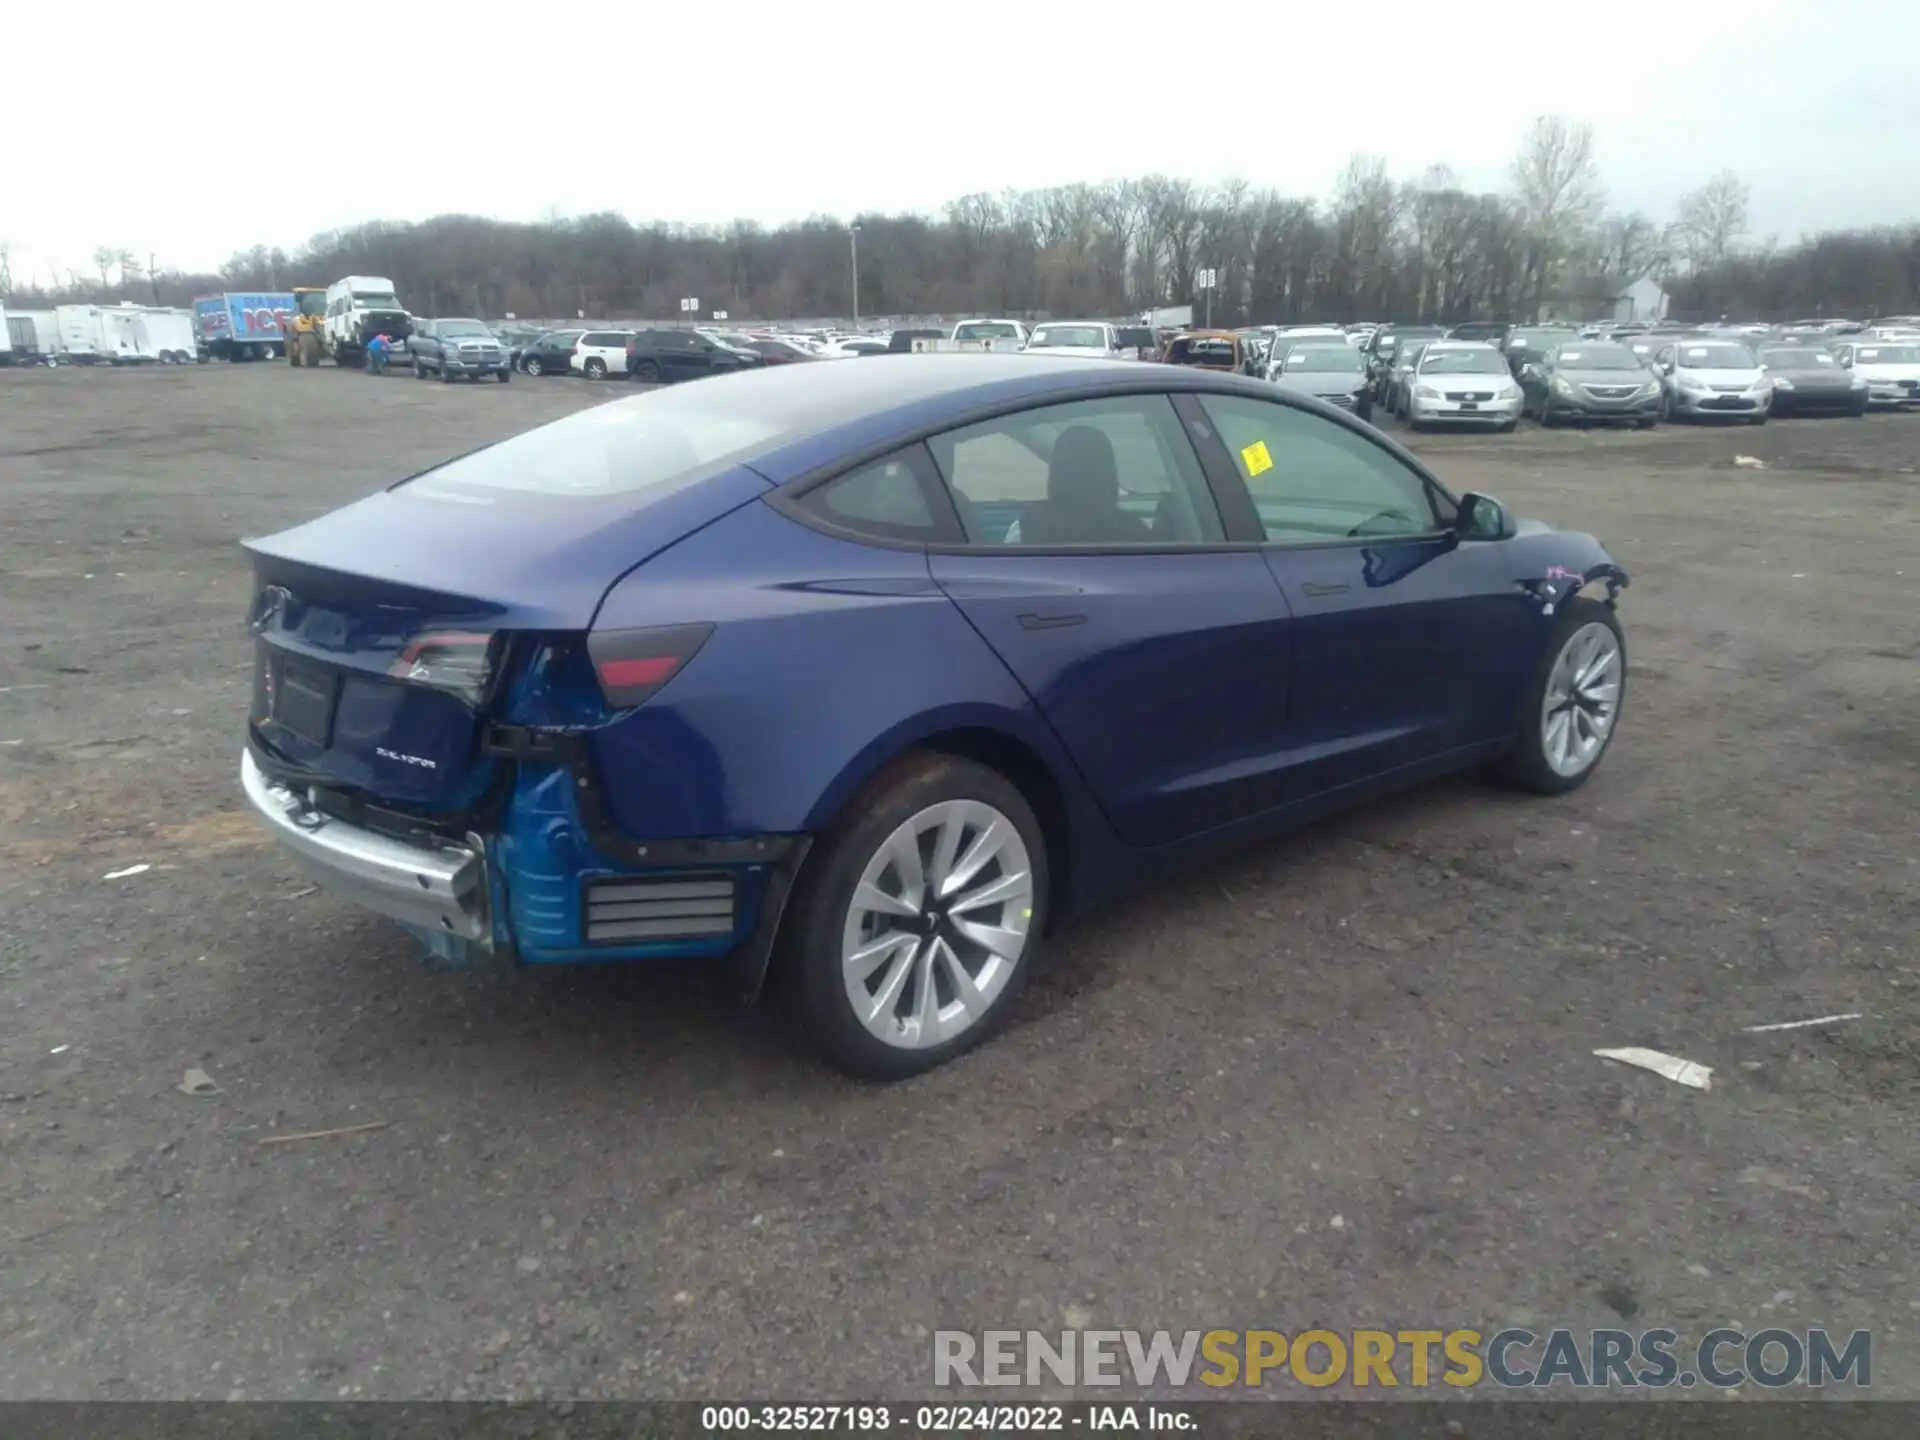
457	661
633	664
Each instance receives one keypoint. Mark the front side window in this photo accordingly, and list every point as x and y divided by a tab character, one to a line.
1314	480
1116	471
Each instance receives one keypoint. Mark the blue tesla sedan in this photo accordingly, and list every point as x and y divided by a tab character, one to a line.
867	674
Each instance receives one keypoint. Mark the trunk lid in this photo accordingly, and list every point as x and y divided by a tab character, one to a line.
387	634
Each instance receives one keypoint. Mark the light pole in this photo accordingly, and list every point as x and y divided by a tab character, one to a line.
853	242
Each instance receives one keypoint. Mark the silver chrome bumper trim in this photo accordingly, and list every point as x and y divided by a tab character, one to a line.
440	889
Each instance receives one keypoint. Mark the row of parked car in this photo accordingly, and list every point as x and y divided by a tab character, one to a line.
1493	376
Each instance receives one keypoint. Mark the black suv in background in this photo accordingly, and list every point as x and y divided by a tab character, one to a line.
550	354
660	357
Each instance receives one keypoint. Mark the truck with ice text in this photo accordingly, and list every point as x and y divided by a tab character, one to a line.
249	325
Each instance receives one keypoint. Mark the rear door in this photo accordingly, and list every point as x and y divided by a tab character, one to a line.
1097	570
1407	644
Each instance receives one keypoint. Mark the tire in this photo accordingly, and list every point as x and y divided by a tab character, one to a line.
943	802
1537	762
595	369
646	373
1508	428
446	376
1756	419
534	367
1859	409
1646	424
419	370
1547	418
504	376
310	351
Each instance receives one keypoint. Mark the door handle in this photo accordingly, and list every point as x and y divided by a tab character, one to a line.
1318	590
1050	622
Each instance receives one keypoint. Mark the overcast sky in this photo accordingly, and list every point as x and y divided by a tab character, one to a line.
218	125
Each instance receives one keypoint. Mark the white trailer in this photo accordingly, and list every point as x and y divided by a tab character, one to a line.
34	335
137	334
81	334
6	339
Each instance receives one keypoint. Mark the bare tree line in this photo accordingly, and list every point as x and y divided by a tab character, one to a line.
1425	248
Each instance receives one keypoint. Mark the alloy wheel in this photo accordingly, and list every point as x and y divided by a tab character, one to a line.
937	925
1582	700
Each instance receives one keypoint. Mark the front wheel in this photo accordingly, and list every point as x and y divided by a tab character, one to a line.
1568	715
419	371
1757	419
919	918
504	376
534	367
596	369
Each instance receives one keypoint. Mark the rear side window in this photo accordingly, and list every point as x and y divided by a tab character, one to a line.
656	442
1094	472
888	500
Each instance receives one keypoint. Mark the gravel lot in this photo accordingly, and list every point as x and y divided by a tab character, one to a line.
613	1184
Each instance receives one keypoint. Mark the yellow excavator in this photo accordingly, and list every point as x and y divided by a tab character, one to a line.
304	325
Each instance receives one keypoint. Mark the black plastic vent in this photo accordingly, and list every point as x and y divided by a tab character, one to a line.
670	908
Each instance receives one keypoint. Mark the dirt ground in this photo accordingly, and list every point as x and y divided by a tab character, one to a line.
611	1183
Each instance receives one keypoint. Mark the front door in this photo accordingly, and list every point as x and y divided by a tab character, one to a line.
1406	642
1096	569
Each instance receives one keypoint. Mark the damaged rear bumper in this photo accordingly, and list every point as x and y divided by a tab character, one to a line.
542	877
442	889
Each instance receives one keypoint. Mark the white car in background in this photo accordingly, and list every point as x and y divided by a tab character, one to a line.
1093	338
990	335
1891	370
1462	382
1705	378
598	354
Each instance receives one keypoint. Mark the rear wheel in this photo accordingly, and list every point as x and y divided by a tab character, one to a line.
646	373
595	368
919	918
504	376
1569	711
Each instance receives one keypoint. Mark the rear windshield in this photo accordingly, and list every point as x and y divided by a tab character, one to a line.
454	329
1134	336
986	330
1082	336
1537	339
1201	352
1887	354
655	442
1798	358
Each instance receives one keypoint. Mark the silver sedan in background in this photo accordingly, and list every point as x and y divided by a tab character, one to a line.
1457	382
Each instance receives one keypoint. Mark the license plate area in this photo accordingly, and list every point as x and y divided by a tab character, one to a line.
304	700
1469	404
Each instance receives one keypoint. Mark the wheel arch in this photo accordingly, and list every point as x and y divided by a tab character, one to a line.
1001	743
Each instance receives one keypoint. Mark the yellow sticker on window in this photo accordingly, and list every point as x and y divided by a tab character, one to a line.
1256	458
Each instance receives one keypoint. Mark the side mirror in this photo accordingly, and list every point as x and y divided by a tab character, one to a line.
1481	517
